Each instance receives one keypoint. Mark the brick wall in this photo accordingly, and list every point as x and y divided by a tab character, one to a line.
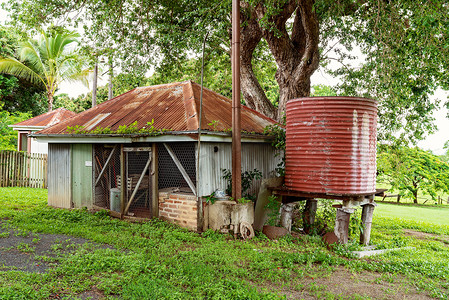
179	208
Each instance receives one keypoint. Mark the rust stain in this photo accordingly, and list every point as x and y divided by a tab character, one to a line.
49	118
331	145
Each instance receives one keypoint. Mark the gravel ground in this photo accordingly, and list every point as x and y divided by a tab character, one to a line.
21	250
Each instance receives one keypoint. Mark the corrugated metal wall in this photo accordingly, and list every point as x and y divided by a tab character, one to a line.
217	156
59	175
82	175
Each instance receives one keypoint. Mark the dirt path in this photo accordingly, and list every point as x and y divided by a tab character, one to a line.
344	284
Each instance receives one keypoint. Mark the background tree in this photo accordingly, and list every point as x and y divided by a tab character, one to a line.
16	94
403	45
8	136
48	61
412	170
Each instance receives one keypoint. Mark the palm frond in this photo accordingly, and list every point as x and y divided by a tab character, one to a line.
14	67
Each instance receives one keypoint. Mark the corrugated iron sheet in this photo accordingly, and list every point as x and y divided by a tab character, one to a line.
59	175
217	156
331	145
174	107
49	118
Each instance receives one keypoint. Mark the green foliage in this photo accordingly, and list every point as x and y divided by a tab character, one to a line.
403	46
132	128
211	198
78	104
8	137
77	129
247	180
273	206
14	200
47	62
404	49
157	259
410	170
128	129
322	90
277	132
17	95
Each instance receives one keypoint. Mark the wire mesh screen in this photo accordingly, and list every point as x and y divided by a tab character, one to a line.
169	174
107	168
138	185
108	180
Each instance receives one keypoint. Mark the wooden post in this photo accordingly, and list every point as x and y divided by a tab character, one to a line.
367	219
308	216
399	198
123	180
154	184
342	224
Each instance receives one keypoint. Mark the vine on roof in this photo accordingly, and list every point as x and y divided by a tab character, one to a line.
132	128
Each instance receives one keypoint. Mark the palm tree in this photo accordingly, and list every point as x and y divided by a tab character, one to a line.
50	61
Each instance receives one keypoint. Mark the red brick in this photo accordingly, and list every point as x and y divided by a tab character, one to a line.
173	205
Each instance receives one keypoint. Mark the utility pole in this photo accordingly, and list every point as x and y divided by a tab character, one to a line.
111	74
94	84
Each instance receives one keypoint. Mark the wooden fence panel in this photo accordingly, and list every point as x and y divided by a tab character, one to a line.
23	169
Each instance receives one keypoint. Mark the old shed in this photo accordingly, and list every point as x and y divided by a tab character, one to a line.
24	128
137	154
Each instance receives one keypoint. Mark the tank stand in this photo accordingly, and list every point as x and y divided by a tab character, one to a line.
342	223
308	216
367	219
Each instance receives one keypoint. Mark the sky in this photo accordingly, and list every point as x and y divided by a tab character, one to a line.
434	142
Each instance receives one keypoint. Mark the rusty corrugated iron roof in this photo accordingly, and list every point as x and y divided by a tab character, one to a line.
48	119
173	107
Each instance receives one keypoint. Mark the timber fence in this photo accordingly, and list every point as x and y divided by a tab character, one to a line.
23	169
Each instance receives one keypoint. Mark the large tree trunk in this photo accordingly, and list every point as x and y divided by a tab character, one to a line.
297	56
254	95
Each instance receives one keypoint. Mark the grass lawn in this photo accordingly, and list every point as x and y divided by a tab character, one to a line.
90	255
437	215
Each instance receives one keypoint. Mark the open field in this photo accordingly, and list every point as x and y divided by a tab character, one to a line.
50	253
437	215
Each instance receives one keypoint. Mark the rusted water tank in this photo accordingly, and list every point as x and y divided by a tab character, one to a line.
331	145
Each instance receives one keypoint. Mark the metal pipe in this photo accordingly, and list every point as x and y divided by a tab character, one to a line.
200	118
236	120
